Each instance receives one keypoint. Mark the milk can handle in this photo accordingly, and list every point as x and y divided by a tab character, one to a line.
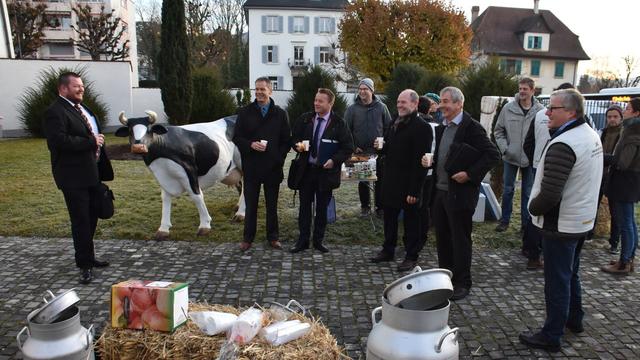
416	269
44	297
20	333
90	334
298	305
373	315
444	336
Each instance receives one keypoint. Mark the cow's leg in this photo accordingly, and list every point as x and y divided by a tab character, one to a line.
165	223
205	219
239	216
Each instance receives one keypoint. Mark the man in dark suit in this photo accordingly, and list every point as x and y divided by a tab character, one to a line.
78	163
329	145
263	136
457	186
408	138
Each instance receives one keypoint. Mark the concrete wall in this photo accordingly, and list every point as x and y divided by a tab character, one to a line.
112	80
147	99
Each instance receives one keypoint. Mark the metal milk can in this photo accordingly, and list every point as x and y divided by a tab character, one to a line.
54	331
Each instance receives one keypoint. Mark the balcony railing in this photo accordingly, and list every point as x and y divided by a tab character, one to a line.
299	65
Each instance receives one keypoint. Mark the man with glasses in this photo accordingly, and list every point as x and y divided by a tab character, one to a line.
563	207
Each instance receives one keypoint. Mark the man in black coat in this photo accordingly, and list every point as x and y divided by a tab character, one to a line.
407	140
78	163
464	154
263	135
329	145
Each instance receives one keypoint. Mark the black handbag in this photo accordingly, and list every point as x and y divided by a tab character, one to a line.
104	202
295	173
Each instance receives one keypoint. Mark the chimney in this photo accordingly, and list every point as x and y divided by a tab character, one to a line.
474	13
535	6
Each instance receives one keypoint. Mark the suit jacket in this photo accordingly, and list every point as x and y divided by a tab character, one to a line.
336	130
72	146
465	196
274	127
403	149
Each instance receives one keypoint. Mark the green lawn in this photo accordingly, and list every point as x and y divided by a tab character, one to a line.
31	205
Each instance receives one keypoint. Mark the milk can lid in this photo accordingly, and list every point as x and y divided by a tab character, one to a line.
421	289
54	307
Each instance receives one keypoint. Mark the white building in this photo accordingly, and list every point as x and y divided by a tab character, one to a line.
288	36
6	44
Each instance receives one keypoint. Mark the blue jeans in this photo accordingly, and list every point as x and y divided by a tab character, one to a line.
626	220
509	180
562	290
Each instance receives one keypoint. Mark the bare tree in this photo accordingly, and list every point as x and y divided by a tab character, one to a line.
630	65
148	37
100	35
27	25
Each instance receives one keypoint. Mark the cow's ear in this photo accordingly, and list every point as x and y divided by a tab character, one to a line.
122	131
159	129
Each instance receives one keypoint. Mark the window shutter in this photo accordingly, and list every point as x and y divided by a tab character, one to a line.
559	69
316	55
530	42
306	24
275	54
264	24
316	22
503	64
333	25
290	21
264	54
280	21
280	83
518	67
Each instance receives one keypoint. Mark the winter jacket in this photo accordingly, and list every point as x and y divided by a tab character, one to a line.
367	122
511	130
624	173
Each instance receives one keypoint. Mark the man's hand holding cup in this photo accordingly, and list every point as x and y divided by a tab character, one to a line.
427	160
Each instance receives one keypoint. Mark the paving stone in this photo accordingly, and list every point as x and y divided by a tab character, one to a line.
341	288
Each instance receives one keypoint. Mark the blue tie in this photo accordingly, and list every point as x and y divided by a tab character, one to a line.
264	110
316	138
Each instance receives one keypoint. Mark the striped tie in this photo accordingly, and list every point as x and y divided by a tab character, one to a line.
88	124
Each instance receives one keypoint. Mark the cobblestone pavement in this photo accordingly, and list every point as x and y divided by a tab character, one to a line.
341	287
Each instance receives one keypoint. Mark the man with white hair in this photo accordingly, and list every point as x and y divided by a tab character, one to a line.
563	205
464	154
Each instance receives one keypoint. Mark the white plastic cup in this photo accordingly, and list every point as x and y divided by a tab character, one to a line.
380	141
428	157
305	144
263	142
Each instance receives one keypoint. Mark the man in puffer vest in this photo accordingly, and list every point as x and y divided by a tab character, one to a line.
563	205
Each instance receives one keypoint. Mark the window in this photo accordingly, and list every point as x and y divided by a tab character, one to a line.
324	25
534	42
511	66
272	24
559	71
274	82
535	67
59	21
325	54
271	54
298	55
298	24
64	49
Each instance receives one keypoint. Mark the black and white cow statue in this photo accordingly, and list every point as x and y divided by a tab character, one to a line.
186	159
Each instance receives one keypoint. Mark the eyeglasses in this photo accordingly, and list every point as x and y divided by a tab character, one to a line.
551	108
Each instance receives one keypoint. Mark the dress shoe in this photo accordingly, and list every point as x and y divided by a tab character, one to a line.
318	246
535	264
576	329
613	250
244	246
275	244
86	275
407	265
298	248
617	268
382	256
459	293
502	227
538	341
100	263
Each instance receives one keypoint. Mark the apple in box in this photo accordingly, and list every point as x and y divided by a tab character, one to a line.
157	305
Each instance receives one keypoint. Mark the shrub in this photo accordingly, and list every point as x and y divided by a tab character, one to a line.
434	82
35	100
303	95
210	102
485	79
404	76
246	97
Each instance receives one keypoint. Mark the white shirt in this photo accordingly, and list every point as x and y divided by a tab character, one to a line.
92	120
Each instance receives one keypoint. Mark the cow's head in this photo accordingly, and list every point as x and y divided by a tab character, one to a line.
140	131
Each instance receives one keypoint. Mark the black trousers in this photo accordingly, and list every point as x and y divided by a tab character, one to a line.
453	238
413	242
364	191
532	241
251	197
425	209
81	206
309	191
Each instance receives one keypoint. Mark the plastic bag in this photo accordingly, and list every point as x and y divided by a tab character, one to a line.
213	322
228	351
247	325
283	332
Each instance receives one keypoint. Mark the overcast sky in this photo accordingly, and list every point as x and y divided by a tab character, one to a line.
605	27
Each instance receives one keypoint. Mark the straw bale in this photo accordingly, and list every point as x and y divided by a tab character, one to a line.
188	342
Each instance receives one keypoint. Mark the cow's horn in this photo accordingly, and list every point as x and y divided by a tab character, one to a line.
122	118
152	116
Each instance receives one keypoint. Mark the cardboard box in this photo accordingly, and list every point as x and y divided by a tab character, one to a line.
157	305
